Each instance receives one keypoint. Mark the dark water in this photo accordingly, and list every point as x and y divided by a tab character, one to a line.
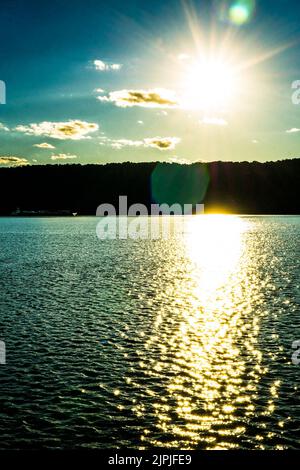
185	342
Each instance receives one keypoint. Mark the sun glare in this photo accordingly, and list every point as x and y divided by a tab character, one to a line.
214	242
210	85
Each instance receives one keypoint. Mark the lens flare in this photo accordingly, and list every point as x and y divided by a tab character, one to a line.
241	12
238	14
171	184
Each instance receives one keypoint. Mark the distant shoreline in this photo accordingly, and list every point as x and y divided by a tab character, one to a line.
223	187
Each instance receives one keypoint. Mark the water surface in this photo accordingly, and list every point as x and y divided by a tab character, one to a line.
182	342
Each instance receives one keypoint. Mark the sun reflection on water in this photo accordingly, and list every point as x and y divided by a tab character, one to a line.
208	343
214	245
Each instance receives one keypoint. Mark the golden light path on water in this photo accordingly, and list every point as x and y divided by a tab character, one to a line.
181	341
208	344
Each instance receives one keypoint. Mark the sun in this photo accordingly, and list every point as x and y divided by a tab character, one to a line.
210	84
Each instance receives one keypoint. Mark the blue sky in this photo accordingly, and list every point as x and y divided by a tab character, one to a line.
93	82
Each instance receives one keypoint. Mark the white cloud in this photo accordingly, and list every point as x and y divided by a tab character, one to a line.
161	143
181	161
63	156
116	66
13	161
140	123
3	127
293	130
118	144
99	65
214	121
105	67
103	99
155	98
254	141
44	145
72	129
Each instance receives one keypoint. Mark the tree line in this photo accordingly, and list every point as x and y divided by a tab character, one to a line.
242	188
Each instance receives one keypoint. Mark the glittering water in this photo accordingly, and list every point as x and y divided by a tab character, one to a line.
175	343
